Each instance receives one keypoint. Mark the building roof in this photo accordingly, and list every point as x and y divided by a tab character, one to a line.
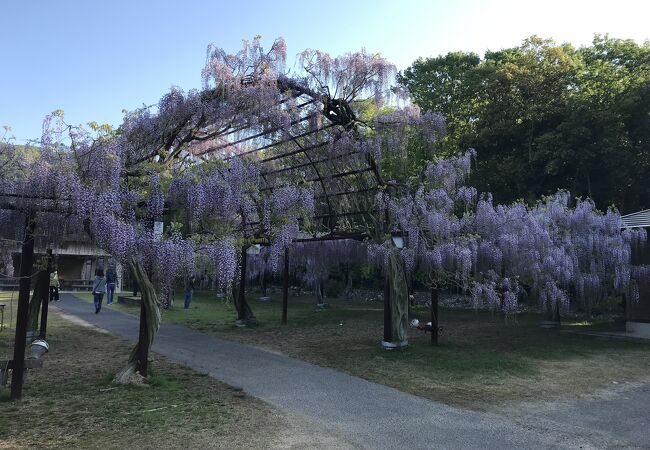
640	219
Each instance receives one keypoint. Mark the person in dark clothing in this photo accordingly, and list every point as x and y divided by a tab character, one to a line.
111	282
136	286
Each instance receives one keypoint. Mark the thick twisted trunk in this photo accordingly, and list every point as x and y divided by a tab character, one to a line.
150	319
244	312
320	296
396	305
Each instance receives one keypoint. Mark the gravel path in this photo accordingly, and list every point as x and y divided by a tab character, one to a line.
377	416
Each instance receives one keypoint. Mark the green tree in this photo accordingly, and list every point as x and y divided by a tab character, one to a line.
448	85
544	116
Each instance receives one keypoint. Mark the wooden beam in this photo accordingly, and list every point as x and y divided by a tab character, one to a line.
26	267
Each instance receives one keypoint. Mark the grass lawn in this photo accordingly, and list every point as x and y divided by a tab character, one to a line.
71	403
482	361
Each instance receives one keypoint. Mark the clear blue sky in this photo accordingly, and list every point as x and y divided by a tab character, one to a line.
93	59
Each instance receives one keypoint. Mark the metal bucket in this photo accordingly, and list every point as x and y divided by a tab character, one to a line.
39	347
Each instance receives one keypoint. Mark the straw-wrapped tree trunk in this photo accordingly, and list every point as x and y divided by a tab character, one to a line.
150	319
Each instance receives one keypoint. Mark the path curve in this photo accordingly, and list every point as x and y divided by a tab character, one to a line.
374	415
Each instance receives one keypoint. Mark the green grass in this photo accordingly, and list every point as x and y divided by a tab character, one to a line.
482	359
72	403
213	313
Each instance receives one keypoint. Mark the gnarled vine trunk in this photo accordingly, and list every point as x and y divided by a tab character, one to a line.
150	319
398	302
244	312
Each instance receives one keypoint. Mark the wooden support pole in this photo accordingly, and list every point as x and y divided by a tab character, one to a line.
264	283
285	287
556	314
26	267
434	316
46	296
241	294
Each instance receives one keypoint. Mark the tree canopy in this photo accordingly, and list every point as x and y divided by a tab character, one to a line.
261	157
545	116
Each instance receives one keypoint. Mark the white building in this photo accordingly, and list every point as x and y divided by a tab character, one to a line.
638	313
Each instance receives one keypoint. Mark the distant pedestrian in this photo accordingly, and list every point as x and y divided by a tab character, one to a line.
54	286
189	290
99	289
136	286
111	282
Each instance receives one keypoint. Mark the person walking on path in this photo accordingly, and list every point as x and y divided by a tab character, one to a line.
54	286
111	282
99	289
189	290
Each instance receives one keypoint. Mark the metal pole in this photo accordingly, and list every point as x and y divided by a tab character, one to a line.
46	299
26	267
285	287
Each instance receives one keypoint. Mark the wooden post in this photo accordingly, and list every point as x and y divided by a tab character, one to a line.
46	298
26	267
263	283
241	295
285	286
388	327
434	316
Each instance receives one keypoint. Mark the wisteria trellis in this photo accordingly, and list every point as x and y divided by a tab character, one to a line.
262	156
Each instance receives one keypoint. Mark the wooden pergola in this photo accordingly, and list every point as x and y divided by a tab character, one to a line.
319	148
310	151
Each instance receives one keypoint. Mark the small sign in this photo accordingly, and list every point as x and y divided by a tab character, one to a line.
398	241
254	249
157	230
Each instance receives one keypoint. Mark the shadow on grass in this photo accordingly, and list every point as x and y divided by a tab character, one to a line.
483	358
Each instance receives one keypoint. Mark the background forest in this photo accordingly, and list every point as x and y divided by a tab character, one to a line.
545	116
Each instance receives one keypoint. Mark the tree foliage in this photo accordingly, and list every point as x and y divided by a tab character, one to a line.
544	116
182	163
